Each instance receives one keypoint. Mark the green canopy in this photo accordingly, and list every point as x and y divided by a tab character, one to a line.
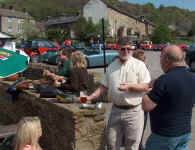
11	63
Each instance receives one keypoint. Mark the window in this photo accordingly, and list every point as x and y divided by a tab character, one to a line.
89	18
19	28
19	21
9	29
9	19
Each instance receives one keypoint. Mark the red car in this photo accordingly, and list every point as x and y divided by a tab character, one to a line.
146	45
182	46
38	47
111	46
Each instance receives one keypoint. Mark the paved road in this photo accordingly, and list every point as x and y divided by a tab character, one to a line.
153	64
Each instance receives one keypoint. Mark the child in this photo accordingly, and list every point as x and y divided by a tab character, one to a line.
28	133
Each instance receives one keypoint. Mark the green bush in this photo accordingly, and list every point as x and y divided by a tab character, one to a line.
161	34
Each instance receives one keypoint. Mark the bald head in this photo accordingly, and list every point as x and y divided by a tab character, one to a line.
171	56
174	53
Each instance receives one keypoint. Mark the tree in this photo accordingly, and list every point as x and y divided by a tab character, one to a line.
161	34
57	34
84	29
192	31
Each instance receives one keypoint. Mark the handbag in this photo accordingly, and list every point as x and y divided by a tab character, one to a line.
47	91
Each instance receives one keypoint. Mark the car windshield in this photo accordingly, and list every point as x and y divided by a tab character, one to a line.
44	44
147	42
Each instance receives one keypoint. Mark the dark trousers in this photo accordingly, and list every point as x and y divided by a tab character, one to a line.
145	123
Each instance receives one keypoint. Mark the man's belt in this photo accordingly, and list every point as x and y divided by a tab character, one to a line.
124	107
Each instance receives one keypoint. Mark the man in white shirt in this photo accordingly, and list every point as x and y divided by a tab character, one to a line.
126	80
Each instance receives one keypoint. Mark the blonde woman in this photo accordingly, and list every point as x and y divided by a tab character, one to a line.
28	134
78	75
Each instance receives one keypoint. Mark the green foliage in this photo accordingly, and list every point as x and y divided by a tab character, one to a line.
57	34
40	9
84	29
192	31
162	34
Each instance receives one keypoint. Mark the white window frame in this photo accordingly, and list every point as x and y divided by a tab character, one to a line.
9	29
9	19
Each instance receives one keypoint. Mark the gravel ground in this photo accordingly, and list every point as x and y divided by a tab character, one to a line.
153	64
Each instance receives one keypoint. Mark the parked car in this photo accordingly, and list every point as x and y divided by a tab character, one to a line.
11	45
158	47
146	45
190	57
182	46
133	45
35	48
111	46
55	44
94	57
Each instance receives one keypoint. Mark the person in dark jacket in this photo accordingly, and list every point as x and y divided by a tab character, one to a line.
170	103
78	78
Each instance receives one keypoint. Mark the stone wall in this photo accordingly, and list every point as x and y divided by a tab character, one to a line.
34	72
118	20
65	126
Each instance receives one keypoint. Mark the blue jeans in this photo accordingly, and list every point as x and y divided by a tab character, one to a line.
157	142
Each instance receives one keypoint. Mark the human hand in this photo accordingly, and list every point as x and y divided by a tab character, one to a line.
57	84
46	72
76	100
59	77
124	87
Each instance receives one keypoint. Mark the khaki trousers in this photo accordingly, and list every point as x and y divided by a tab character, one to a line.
127	123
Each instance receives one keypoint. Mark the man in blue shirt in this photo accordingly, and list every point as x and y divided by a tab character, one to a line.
170	103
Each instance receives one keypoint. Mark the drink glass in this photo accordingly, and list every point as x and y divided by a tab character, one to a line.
83	96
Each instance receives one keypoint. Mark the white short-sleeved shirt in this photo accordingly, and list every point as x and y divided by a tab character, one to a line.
133	71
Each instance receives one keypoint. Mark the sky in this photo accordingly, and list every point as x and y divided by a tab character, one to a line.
187	4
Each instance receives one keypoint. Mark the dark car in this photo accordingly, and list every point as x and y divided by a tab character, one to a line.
159	47
35	48
190	56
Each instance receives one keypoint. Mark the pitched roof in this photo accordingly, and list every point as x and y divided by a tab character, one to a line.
14	13
61	20
4	35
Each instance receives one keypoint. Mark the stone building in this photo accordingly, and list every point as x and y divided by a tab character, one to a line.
11	21
121	23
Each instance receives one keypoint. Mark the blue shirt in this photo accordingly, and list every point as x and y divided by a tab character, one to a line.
174	93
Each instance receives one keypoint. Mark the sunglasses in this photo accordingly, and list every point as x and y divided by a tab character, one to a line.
124	49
